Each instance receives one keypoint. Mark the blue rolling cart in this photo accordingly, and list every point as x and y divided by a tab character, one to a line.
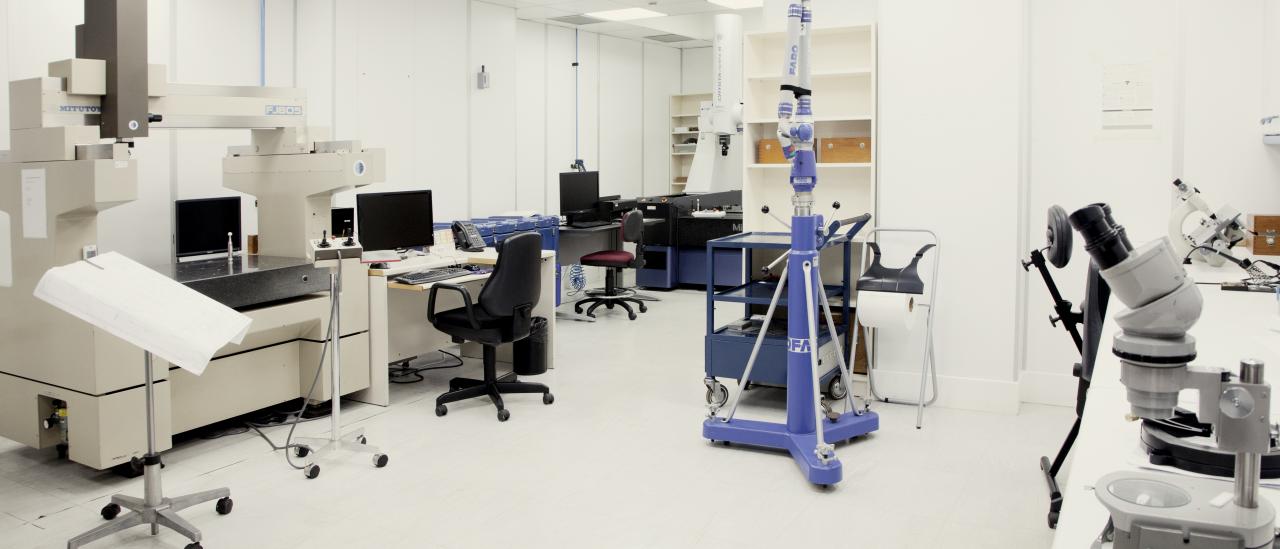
727	348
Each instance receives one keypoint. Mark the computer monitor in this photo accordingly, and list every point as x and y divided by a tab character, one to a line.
342	221
391	221
200	226
579	192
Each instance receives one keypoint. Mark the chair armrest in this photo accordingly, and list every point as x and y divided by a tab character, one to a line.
466	302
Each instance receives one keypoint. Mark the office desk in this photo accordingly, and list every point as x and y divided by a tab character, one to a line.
576	242
1233	326
398	327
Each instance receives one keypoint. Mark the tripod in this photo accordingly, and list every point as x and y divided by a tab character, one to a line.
153	508
1090	316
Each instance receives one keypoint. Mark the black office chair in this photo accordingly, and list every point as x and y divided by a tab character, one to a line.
615	261
502	314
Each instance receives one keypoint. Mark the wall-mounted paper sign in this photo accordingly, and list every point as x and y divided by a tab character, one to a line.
35	222
1126	97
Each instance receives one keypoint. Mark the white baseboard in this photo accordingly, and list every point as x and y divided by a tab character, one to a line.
985	395
1048	388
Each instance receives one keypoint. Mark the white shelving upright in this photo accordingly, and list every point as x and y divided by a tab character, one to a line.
844	105
684	114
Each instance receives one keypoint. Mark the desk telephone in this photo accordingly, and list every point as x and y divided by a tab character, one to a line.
466	237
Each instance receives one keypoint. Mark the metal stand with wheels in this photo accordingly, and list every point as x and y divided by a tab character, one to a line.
928	365
153	508
354	441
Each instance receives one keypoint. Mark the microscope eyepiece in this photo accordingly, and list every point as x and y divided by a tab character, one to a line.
1105	241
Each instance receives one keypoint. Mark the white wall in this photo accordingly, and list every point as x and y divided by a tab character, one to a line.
621	129
493	110
662	70
1205	131
484	152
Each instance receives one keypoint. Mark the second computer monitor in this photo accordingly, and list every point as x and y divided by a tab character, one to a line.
399	220
203	226
579	192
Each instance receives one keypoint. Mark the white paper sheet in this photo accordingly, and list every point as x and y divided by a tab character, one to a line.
6	252
145	308
35	222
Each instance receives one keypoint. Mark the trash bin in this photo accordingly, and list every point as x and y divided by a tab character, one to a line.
529	357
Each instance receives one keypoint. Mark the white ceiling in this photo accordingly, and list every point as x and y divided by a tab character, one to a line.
692	18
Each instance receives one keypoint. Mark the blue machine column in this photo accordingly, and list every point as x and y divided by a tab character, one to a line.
806	436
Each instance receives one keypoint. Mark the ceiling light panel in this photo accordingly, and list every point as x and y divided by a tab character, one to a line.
628	14
738	4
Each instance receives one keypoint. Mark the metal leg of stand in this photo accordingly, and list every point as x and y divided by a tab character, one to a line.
351	442
153	509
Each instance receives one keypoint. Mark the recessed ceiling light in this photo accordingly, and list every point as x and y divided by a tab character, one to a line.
738	4
627	14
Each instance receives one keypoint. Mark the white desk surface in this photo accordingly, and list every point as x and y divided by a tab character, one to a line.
448	258
1233	326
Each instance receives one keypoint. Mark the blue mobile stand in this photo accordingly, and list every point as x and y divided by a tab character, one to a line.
810	431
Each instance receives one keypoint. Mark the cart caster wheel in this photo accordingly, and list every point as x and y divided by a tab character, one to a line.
631	316
441	410
311	471
63	451
504	415
717	394
110	511
380	460
362	440
835	388
301	451
548	398
224	506
577	309
195	545
644	308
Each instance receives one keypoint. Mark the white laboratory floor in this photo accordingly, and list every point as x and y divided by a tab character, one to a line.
617	462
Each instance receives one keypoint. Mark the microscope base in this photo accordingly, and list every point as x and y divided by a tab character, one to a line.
800	445
1199	513
1166	449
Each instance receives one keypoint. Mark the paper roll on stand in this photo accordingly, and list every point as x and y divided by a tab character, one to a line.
889	310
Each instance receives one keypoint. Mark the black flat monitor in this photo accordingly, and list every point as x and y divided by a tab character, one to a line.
395	221
579	192
342	221
200	226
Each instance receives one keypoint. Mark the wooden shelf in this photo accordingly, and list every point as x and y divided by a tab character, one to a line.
820	119
817	74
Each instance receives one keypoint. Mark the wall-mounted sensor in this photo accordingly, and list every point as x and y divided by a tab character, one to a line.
482	79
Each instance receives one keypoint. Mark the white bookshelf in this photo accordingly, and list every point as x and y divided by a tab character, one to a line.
684	114
844	104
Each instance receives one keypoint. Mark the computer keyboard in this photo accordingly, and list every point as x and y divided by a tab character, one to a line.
432	275
588	224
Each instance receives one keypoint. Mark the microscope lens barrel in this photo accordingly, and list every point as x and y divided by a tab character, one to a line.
1105	243
1124	236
